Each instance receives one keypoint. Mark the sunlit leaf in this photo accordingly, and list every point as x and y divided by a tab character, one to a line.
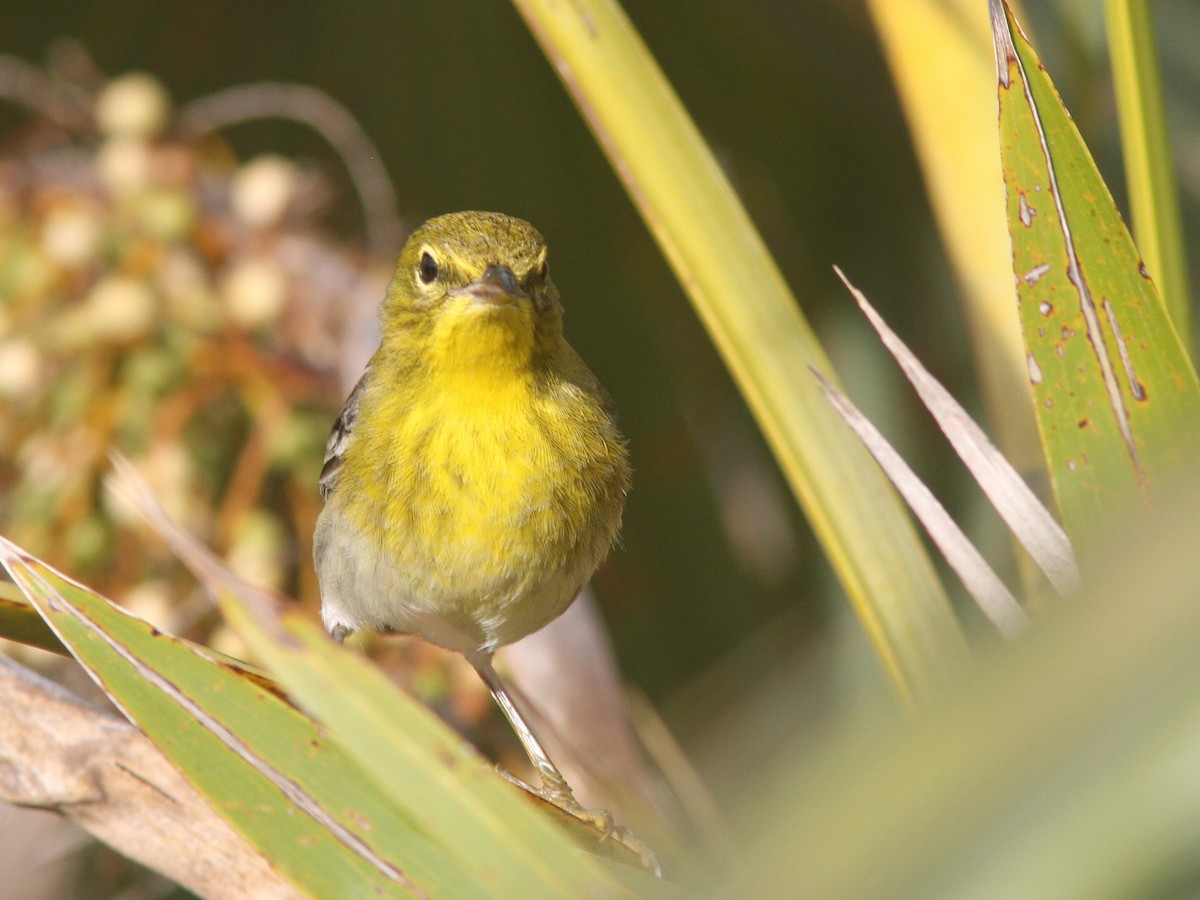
1116	397
264	766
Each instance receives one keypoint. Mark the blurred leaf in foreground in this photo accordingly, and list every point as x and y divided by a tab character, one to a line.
1064	767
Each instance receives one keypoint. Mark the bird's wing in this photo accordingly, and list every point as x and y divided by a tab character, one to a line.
340	437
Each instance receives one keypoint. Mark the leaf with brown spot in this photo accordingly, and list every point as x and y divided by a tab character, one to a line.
1116	396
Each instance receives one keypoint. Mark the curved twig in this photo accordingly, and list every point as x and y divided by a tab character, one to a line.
331	120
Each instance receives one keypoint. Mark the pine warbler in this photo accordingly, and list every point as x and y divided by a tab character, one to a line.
476	476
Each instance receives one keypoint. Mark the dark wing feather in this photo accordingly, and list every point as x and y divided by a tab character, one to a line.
340	437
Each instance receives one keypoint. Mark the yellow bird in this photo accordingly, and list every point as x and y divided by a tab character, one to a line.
476	476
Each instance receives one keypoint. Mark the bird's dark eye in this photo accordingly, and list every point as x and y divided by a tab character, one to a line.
427	271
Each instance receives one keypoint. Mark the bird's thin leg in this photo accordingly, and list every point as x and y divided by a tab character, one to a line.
554	786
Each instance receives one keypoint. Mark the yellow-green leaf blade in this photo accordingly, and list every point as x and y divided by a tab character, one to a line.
1116	397
451	793
740	295
1150	173
263	765
413	754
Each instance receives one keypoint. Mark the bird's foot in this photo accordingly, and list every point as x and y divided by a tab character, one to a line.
599	823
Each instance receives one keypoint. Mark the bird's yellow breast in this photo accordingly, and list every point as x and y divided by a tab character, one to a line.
499	496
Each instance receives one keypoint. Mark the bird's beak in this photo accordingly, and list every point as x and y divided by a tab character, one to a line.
497	286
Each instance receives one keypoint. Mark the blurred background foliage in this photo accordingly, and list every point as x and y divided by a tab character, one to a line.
718	584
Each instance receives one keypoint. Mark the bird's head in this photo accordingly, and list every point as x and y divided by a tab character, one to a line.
473	288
